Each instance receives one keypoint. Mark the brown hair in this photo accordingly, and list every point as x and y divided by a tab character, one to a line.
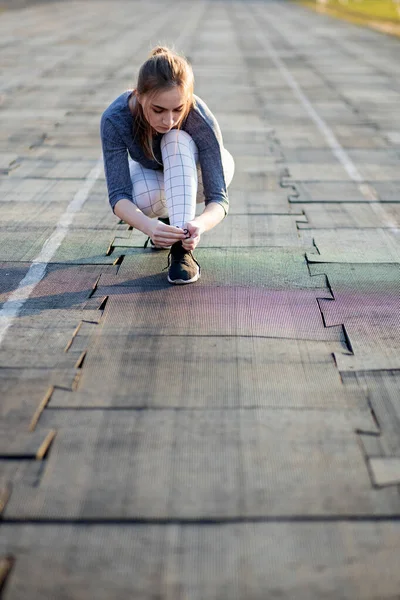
163	70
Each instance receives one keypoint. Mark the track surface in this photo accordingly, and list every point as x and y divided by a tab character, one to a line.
238	438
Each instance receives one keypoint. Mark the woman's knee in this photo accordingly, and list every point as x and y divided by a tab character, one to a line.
178	136
150	202
179	142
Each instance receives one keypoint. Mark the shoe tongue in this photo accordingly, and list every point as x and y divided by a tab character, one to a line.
178	249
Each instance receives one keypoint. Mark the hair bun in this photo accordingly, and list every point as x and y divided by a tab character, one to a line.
159	50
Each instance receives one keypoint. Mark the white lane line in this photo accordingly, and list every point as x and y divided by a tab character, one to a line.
16	301
367	190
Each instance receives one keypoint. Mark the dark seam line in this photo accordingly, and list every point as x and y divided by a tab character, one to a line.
210	408
206	521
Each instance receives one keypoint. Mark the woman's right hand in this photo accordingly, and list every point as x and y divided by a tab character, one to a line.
165	235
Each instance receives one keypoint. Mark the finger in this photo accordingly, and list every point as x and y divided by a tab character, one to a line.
191	239
167	231
190	246
163	235
172	228
165	243
175	231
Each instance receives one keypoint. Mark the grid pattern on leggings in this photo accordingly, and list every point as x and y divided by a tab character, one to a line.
148	190
179	153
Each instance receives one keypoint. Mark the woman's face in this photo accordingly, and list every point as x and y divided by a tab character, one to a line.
165	109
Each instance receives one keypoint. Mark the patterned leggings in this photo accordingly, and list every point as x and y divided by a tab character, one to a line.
175	191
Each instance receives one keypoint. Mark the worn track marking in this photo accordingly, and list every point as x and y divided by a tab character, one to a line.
339	152
37	270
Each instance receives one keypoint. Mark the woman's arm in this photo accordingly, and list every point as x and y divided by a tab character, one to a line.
131	214
116	167
204	129
213	214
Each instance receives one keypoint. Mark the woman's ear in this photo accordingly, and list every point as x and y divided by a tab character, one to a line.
137	96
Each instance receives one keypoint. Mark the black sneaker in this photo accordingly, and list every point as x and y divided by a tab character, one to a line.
183	267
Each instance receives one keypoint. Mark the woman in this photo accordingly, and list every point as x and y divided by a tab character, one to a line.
163	152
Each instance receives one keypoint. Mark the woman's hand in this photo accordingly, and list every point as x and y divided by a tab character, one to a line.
164	235
194	232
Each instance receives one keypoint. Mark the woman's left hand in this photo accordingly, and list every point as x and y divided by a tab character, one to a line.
194	233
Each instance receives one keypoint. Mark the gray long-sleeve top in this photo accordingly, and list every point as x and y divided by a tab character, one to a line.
118	137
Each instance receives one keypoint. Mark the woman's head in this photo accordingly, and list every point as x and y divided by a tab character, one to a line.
164	94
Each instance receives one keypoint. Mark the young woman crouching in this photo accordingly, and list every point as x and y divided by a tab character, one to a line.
163	153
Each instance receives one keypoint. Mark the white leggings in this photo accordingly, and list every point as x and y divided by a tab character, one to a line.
175	191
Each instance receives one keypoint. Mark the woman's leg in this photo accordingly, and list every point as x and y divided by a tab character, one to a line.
179	153
148	190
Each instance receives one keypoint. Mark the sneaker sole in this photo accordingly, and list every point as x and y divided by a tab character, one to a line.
183	281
